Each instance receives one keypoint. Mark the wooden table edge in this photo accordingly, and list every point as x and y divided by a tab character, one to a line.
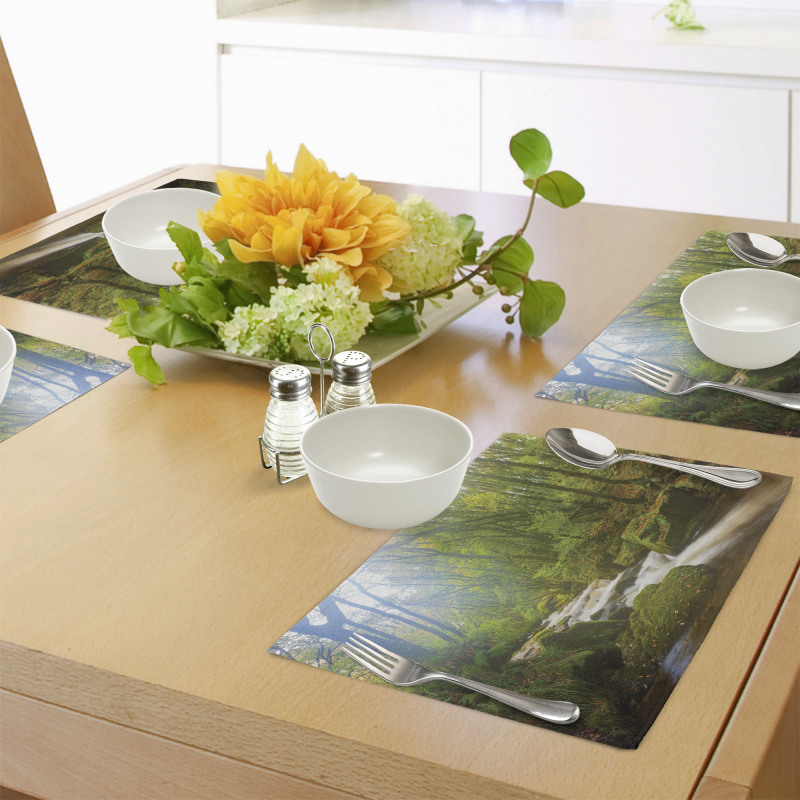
736	769
39	686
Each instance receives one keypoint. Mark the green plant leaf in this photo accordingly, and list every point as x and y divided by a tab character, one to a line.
540	307
471	239
532	152
160	325
397	317
200	299
186	240
560	188
141	356
119	325
511	265
465	225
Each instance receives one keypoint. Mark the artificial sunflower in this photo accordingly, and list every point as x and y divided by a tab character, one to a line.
292	219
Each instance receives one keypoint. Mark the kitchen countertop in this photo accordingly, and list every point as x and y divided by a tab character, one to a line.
736	42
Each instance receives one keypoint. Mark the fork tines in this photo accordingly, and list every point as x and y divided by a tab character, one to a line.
368	654
655	368
650	374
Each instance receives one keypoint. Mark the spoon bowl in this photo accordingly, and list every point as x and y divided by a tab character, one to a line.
590	450
760	250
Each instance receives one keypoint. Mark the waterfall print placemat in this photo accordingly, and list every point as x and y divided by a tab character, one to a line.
591	586
653	328
46	376
77	271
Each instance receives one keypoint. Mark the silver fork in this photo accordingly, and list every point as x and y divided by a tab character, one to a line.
404	672
675	383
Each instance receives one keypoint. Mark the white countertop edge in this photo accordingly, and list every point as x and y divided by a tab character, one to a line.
623	55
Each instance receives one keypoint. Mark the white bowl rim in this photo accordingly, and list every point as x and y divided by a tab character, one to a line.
406	481
126	200
739	270
12	357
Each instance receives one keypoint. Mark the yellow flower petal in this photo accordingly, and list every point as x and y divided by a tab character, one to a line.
313	212
286	242
372	281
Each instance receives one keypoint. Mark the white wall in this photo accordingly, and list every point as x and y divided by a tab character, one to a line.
114	90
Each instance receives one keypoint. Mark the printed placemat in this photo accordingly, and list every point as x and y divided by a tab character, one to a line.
46	376
596	587
653	328
77	271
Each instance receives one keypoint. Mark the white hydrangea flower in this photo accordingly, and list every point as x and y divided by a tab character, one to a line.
336	305
253	331
280	330
429	255
323	270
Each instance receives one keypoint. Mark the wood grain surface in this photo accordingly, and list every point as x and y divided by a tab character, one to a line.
148	560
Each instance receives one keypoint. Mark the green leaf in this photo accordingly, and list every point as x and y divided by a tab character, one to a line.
127	304
540	307
376	306
560	188
200	299
397	317
294	276
141	356
471	239
507	280
186	240
119	325
511	265
259	278
160	325
465	225
532	152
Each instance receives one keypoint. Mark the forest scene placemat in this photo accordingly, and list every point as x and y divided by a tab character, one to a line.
77	271
46	376
653	328
596	587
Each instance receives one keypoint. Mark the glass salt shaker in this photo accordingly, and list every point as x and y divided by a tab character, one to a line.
351	371
290	411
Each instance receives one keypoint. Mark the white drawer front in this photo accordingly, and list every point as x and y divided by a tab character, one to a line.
383	122
683	147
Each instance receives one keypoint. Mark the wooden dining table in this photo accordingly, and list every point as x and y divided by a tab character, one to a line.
148	561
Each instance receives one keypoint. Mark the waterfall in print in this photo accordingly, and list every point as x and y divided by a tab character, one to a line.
602	598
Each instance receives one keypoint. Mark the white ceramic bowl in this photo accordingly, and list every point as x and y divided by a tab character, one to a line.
386	466
744	318
136	229
8	352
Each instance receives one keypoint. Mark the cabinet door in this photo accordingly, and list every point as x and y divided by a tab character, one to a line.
676	146
383	122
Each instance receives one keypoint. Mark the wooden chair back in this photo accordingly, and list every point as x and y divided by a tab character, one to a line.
24	191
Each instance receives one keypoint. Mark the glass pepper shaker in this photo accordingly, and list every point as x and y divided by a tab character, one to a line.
290	411
351	372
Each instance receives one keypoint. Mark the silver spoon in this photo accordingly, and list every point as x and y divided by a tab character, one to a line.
593	451
755	248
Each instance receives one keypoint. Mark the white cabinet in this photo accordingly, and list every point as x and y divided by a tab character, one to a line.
381	121
711	149
430	92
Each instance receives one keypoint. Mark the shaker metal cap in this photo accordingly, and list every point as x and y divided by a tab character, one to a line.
351	367
289	382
